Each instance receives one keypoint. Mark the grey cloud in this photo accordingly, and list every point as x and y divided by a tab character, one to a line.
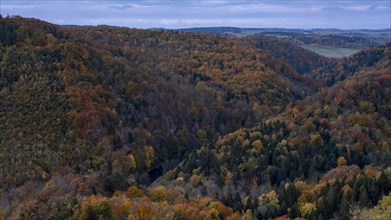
123	6
188	13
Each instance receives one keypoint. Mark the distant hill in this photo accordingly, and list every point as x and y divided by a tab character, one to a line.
213	30
302	60
357	39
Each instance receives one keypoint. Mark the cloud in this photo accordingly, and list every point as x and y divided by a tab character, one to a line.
357	7
275	8
381	7
123	6
190	13
20	7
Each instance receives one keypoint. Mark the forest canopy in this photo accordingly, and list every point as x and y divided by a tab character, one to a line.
118	123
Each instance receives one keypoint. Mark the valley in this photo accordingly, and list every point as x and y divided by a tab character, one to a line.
104	122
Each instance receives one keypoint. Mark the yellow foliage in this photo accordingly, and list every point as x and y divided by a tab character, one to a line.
319	187
117	166
371	172
316	139
228	178
235	216
255	135
257	144
122	207
245	143
132	163
341	161
379	212
195	179
367	107
301	186
307	209
159	194
95	208
305	197
219	143
214	214
247	215
134	192
144	212
346	188
282	218
149	156
272	196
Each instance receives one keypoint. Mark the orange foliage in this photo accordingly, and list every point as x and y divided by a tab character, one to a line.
371	172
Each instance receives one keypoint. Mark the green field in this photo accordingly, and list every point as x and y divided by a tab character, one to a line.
335	52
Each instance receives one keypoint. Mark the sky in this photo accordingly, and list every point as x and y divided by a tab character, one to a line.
305	14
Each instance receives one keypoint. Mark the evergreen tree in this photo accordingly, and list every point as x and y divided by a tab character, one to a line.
364	198
344	207
383	183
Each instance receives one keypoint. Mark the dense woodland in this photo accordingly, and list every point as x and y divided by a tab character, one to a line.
354	39
302	60
333	38
357	42
118	123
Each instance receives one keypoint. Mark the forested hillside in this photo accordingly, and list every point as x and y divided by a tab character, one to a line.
113	89
302	60
357	42
341	133
373	58
118	123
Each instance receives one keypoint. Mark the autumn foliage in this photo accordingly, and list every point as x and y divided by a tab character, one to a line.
118	123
